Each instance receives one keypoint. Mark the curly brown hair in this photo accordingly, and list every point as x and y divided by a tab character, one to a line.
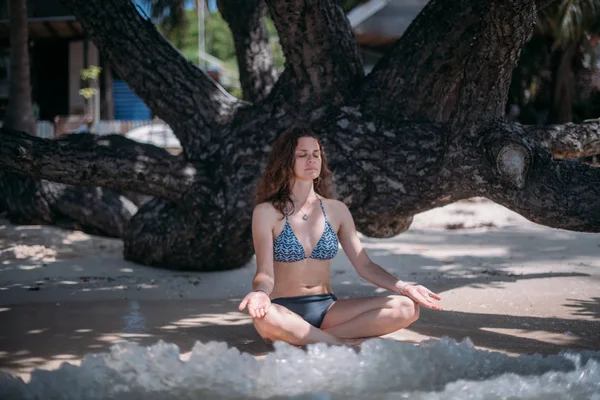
275	184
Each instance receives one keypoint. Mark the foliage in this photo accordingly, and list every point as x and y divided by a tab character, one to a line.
89	76
218	39
569	21
169	15
566	24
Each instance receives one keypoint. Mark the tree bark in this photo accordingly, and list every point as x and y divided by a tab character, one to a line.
96	211
516	172
430	58
568	140
246	20
321	54
446	142
505	27
89	160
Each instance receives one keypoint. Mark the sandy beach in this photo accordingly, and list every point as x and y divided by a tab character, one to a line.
506	283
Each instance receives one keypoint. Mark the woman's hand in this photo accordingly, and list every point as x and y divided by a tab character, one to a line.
422	296
258	303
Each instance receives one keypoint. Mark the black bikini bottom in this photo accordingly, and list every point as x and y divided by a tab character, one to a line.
312	307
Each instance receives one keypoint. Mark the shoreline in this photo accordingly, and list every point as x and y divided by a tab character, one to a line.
507	283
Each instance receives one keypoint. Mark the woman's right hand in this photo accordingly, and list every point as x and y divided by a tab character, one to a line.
258	303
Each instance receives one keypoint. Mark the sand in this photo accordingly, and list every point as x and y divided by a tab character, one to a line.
508	284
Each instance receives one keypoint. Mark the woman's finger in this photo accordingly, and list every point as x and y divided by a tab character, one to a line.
429	305
243	303
426	292
265	309
426	302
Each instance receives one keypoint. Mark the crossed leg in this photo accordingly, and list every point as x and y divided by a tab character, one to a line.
345	321
369	316
282	324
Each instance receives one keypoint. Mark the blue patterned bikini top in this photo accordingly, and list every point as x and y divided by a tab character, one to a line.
287	247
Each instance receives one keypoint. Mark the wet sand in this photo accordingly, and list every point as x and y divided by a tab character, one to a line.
507	284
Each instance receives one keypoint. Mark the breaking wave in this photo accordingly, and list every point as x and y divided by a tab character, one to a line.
380	369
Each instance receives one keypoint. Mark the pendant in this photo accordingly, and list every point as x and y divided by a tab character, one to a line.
305	217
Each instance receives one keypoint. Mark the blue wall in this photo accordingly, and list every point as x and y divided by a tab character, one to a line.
127	105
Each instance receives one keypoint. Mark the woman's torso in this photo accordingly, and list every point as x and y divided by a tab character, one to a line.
304	249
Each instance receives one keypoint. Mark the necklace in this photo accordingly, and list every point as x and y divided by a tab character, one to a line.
304	216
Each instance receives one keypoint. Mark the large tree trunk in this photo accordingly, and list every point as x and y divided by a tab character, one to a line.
423	130
19	113
32	201
246	20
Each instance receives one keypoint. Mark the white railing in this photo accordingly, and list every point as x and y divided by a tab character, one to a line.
45	129
121	127
158	133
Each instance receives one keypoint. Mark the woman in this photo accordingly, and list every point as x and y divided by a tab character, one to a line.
296	226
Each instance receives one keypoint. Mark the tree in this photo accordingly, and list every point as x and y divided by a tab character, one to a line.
31	201
425	128
552	61
19	113
570	23
249	23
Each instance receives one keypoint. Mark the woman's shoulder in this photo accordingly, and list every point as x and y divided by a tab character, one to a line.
335	205
265	210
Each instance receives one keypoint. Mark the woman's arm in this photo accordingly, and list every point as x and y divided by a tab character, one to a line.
258	300
372	272
262	237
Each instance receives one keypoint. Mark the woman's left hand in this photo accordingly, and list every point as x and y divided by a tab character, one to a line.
422	296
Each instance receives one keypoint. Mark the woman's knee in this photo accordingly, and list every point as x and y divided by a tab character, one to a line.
405	308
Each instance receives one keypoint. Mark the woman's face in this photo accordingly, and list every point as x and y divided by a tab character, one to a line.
307	159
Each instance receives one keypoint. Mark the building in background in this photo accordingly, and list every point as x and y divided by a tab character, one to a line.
59	50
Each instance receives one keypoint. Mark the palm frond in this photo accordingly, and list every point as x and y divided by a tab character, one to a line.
568	21
168	14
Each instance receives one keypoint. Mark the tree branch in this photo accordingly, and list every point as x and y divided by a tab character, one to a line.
506	166
568	140
174	89
385	171
88	160
322	59
29	201
559	194
419	77
505	27
246	20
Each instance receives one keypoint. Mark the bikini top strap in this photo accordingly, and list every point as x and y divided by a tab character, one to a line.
322	208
